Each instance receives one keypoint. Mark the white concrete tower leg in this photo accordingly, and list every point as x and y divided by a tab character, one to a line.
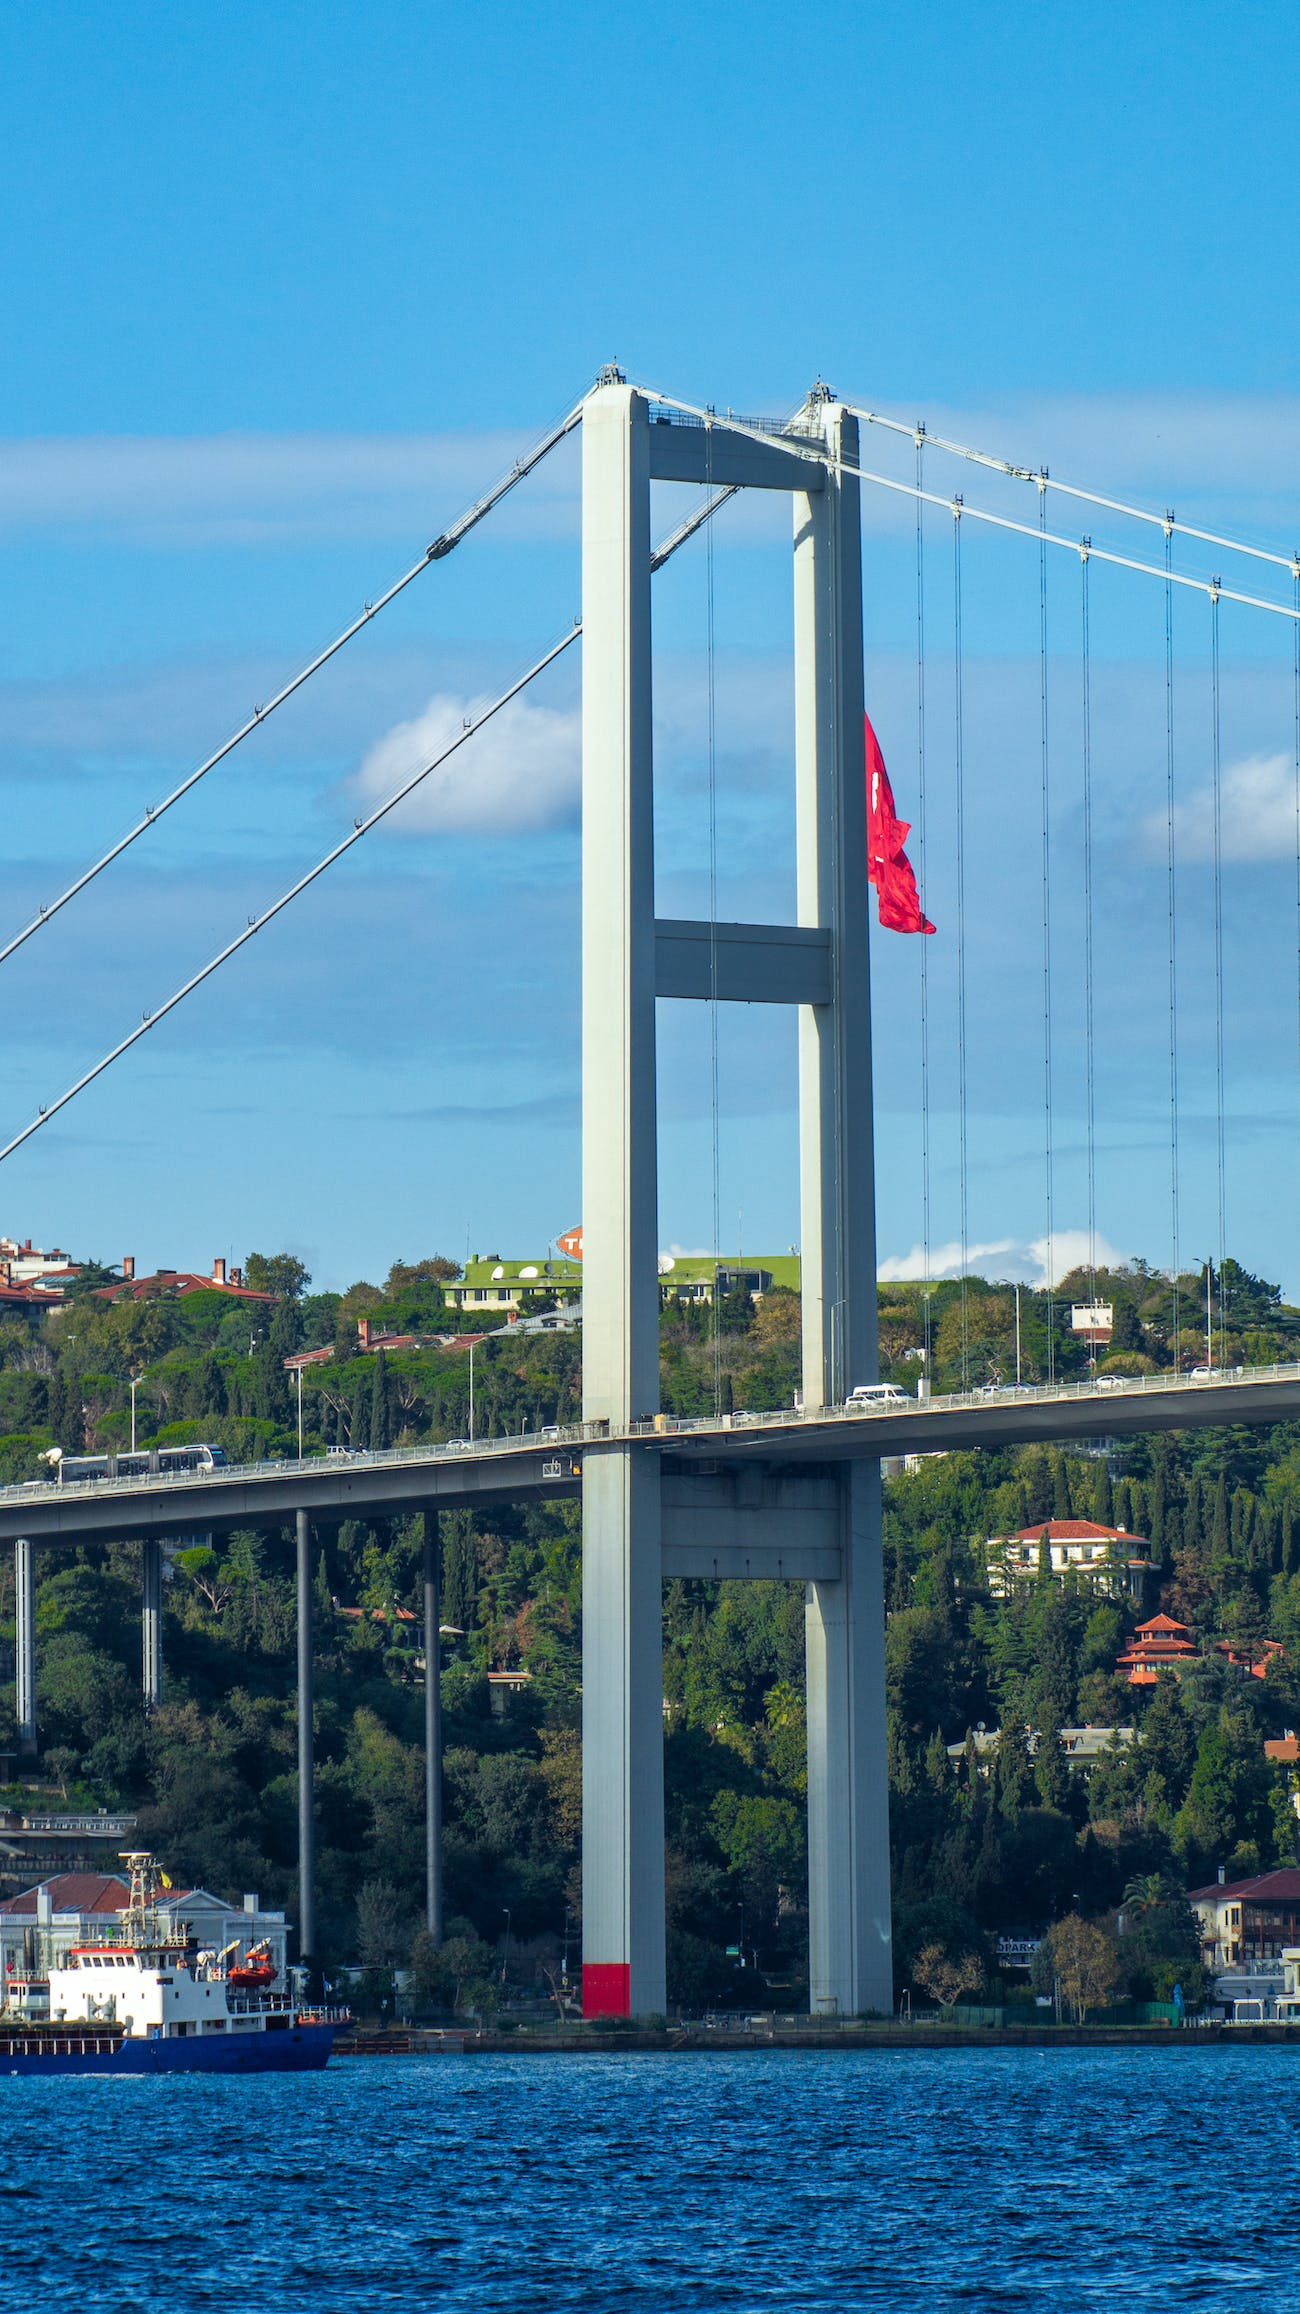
848	1847
25	1643
849	1957
622	1700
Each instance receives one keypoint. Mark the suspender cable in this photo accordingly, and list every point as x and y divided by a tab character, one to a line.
714	1097
1171	879
1090	1090
1216	790
667	547
1295	687
443	545
960	802
1044	740
925	950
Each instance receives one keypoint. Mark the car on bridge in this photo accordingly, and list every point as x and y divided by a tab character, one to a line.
869	1394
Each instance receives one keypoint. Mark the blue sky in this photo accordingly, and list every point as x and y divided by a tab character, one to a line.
287	287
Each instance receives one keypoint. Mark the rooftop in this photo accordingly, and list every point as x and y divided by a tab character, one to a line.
1280	1887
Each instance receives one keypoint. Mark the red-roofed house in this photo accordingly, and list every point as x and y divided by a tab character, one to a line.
1247	1921
178	1281
1109	1558
39	1927
1158	1645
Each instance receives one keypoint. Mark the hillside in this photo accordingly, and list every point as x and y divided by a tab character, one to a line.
996	1838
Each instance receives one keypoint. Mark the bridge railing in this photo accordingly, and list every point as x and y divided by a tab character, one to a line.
555	1438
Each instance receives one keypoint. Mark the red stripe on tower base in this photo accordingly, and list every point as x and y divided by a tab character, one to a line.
606	1988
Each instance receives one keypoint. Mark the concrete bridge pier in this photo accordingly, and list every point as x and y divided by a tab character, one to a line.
306	1748
25	1642
850	1965
151	1621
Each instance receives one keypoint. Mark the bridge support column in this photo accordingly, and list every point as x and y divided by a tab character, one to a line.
306	1750
151	1621
622	1738
432	1726
849	1957
622	1688
25	1642
848	1820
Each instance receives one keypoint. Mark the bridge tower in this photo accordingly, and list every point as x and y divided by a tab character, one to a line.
643	1517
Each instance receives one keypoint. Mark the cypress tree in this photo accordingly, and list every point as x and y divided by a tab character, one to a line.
1061	1508
1286	1538
381	1405
1219	1534
1156	1511
1103	1504
460	1570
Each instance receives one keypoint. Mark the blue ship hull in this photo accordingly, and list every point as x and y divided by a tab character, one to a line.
298	2049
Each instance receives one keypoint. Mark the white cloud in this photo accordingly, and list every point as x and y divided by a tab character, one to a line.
1034	1261
521	772
1257	814
254	488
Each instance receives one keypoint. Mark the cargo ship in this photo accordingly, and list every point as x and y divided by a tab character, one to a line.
147	1999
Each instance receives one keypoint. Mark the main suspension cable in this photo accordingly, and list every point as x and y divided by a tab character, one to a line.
443	545
1072	490
685	529
790	443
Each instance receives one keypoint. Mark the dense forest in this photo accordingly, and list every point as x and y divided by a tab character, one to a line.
986	1838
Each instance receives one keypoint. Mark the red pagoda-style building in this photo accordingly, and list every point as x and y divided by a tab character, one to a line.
1160	1645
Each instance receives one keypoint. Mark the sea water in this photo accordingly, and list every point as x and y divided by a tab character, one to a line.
983	2179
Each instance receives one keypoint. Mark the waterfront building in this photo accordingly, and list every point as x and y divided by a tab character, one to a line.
1246	1922
40	1926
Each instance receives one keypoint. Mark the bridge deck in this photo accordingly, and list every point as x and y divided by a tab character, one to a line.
503	1469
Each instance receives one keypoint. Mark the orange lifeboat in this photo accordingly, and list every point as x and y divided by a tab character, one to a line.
255	1973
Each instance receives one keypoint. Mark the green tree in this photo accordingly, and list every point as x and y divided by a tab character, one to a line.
277	1273
1228	1802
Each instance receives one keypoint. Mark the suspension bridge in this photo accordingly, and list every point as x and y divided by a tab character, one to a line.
795	1495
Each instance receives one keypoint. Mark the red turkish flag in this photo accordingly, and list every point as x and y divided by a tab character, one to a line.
888	867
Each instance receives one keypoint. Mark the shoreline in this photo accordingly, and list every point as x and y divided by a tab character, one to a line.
725	2040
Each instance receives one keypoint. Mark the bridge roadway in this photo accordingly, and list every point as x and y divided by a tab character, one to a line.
497	1470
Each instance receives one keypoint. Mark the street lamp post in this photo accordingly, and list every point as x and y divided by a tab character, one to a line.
299	1379
1017	1333
505	1953
472	1348
135	1382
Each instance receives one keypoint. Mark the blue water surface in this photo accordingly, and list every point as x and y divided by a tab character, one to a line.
989	2179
